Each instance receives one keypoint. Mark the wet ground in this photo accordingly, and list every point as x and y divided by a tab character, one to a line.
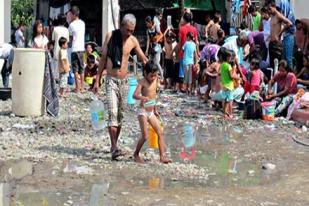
62	161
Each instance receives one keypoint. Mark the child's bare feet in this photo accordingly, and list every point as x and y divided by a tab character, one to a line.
138	159
164	160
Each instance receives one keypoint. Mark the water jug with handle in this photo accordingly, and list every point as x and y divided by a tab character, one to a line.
97	114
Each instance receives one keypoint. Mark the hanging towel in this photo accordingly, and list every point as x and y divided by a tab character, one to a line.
50	90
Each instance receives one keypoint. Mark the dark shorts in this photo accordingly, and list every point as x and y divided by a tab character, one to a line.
169	68
77	62
275	52
176	73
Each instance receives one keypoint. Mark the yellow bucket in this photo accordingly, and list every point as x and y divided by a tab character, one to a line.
153	137
89	80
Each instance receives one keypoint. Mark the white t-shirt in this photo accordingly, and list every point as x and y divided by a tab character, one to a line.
5	50
77	30
40	41
59	31
266	29
19	38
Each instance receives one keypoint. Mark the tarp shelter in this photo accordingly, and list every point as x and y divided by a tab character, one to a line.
207	5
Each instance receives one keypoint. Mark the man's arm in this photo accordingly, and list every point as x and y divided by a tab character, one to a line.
139	51
286	21
102	63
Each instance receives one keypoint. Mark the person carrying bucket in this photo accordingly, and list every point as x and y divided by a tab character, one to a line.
146	92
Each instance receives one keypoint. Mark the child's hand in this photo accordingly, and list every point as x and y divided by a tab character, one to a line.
144	100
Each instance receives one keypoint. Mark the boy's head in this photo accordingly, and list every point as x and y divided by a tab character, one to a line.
22	26
187	17
217	18
254	64
264	13
272	7
224	54
75	12
252	10
90	61
151	71
190	36
63	43
149	22
159	13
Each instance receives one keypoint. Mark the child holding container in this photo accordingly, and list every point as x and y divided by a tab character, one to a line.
146	92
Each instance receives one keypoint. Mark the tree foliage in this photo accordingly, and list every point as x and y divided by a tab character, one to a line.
22	11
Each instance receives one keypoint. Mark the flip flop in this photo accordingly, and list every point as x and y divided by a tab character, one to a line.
117	153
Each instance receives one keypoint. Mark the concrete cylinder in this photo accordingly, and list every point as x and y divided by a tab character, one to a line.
27	82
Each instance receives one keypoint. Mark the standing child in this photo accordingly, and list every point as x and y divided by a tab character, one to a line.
169	45
40	41
227	75
190	57
63	64
146	92
178	80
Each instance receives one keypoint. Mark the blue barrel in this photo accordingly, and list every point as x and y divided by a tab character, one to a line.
131	90
189	135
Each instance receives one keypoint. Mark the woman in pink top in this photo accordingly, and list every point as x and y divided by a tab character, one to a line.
255	79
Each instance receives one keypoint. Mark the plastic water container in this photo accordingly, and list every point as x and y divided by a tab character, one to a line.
153	138
189	135
268	110
97	114
131	90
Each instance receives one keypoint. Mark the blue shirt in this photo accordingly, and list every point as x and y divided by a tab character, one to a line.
189	49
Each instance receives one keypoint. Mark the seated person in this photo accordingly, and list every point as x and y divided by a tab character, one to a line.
91	71
90	50
303	75
287	87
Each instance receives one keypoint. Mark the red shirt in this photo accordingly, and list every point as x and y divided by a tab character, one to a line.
183	31
286	81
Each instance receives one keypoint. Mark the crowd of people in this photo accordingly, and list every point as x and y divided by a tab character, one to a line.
227	69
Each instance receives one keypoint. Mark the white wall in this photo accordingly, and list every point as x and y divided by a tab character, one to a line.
107	19
301	8
5	21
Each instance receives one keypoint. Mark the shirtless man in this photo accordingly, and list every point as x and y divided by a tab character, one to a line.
278	24
115	55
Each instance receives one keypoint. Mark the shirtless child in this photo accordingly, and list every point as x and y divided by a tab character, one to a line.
146	92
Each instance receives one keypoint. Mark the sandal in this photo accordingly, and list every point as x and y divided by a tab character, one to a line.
117	153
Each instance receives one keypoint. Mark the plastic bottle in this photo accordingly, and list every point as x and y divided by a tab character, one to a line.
97	114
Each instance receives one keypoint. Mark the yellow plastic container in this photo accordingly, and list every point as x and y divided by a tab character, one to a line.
89	80
153	138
